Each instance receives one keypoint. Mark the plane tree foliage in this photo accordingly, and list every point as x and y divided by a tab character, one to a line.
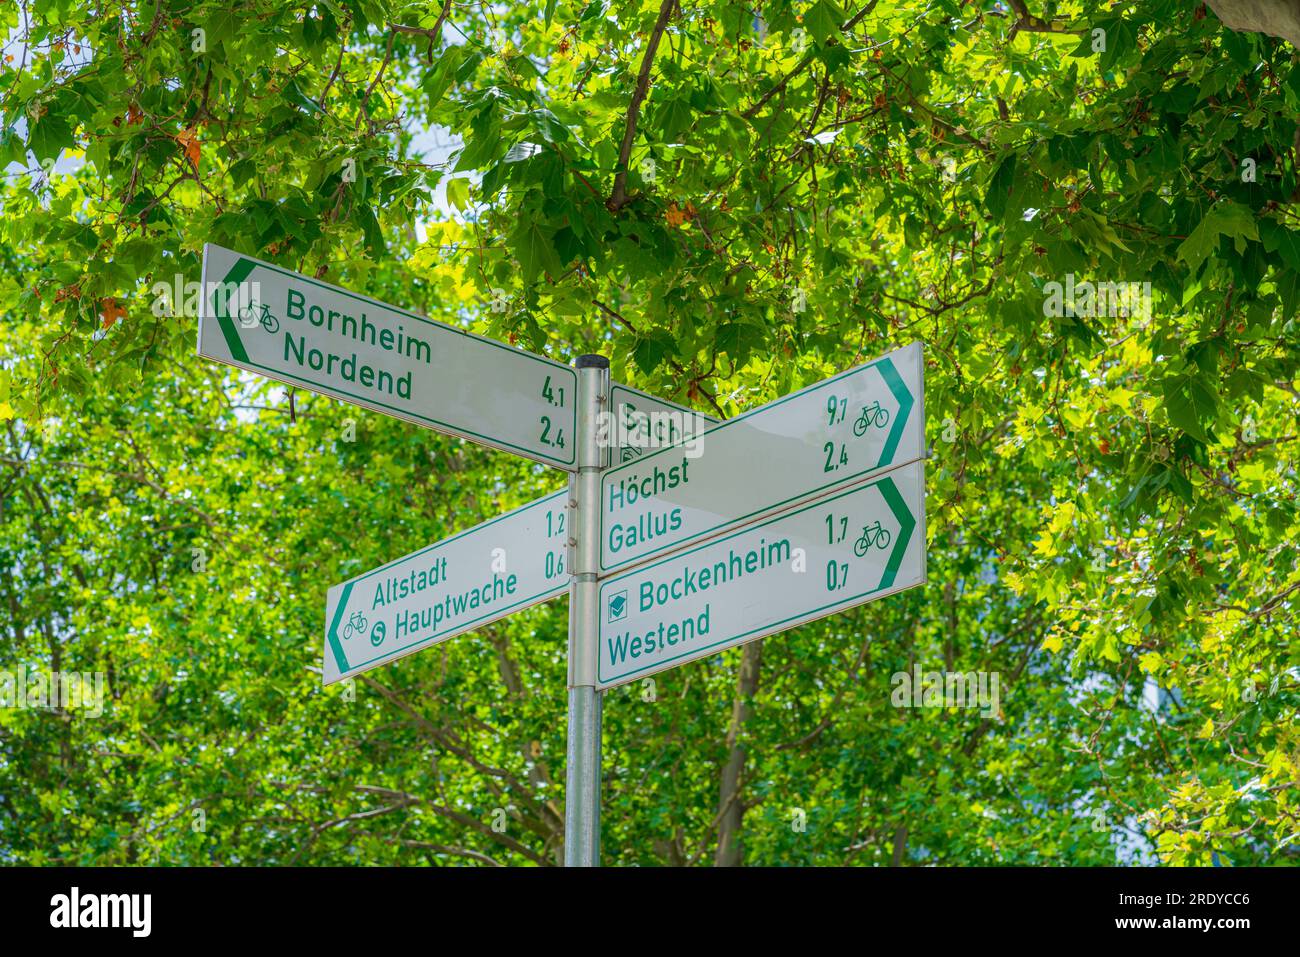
731	201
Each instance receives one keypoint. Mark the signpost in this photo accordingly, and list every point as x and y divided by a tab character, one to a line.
701	536
843	550
307	333
474	578
464	582
827	435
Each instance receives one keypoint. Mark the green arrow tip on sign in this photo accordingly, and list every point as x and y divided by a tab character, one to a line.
336	646
238	273
906	525
903	395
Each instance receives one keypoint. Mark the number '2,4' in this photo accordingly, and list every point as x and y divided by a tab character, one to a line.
551	435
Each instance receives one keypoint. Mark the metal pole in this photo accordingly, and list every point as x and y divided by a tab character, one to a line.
582	780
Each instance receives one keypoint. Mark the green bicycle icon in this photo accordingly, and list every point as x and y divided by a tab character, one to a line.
873	414
871	535
356	625
255	313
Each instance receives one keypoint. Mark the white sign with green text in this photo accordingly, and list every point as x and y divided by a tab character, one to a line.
843	550
840	430
308	333
643	423
461	583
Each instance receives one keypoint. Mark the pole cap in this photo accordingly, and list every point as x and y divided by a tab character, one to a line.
592	362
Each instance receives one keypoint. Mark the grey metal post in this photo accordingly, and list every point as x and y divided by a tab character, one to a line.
582	781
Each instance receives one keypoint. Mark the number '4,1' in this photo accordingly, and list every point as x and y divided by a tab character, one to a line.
555	396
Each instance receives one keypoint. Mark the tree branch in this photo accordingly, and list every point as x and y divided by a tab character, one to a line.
803	64
618	197
434	32
1026	22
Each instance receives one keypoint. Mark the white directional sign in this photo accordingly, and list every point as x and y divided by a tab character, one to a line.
461	583
842	550
643	423
837	431
308	333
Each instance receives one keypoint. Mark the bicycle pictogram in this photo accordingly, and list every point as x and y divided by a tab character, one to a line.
258	313
873	534
356	624
873	414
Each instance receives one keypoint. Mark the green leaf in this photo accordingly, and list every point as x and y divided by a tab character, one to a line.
674	119
1190	402
1278	239
823	21
535	250
834	56
458	192
374	236
294	94
738	339
593	11
999	188
220	26
11	148
1225	219
650	351
1164	155
1292	87
437	81
1121	40
548	126
50	135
